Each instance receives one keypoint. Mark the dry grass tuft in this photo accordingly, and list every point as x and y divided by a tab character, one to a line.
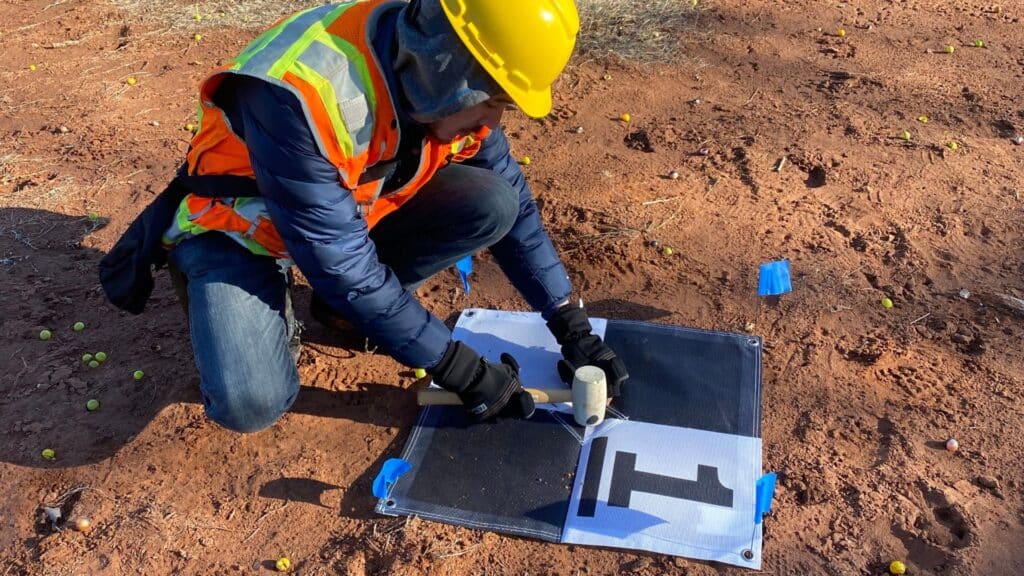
643	31
249	14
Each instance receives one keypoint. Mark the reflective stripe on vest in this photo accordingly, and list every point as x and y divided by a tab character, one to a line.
243	219
323	56
327	74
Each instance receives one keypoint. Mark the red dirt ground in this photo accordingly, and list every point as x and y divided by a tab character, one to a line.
857	399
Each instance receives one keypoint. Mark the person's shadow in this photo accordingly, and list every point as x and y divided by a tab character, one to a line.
49	281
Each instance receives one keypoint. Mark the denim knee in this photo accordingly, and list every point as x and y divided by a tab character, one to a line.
249	406
495	210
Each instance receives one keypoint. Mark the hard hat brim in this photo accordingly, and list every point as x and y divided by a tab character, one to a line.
535	104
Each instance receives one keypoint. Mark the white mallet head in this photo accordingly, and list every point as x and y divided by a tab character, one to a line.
589	395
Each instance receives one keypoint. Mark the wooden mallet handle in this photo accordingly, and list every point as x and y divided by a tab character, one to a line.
436	397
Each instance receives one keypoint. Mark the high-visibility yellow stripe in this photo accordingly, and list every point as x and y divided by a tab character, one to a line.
286	32
351	53
308	37
262	40
184	228
327	96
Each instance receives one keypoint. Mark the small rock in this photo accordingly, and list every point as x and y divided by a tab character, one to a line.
960	338
987	482
53	514
977	345
578	129
63	130
673	175
154	123
965	293
1018	139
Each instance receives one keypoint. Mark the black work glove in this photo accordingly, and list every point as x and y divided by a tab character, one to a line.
580	347
486	390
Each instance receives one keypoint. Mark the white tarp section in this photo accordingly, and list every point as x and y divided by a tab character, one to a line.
525	336
665	489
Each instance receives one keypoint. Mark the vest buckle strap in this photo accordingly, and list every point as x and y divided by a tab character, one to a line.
252	228
202	212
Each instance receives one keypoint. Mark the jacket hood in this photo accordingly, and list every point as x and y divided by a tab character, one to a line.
437	74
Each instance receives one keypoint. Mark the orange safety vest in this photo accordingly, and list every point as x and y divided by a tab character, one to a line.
324	56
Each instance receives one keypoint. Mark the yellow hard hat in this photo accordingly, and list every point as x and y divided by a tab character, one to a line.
522	44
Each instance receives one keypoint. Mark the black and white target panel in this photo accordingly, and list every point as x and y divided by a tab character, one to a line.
674	468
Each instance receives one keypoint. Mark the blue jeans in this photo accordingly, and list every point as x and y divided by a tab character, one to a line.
239	312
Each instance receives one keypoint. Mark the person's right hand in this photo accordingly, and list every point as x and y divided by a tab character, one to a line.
486	389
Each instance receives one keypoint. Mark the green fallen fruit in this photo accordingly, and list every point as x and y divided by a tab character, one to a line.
419	373
45	335
92	405
86	358
138	374
94	364
78	327
101	356
49	454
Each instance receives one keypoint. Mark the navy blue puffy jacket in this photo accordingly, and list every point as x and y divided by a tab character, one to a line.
328	240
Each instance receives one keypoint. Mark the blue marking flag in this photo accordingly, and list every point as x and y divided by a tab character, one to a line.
390	472
765	494
465	267
774	279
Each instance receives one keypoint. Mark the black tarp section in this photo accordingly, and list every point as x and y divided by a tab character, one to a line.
689	378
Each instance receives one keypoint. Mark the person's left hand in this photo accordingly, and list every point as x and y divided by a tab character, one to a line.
580	347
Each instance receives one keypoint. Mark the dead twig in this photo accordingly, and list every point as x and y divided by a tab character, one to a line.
53	4
672	217
1012	302
660	200
211	527
921	318
262	518
64	44
454	554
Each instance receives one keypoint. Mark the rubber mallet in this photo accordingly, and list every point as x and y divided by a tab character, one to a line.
589	396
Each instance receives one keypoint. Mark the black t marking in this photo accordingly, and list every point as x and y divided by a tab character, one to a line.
626	480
